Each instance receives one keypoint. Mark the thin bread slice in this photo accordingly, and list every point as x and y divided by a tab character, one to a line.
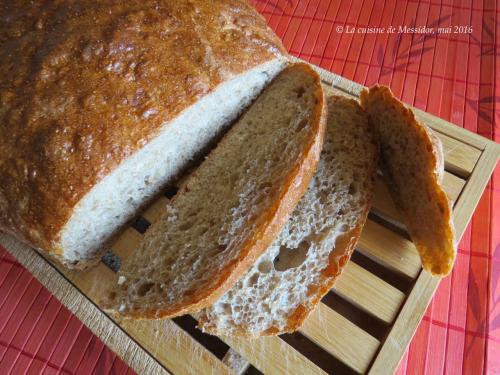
413	166
232	207
289	279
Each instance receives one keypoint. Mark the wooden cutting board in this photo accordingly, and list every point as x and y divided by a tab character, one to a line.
362	326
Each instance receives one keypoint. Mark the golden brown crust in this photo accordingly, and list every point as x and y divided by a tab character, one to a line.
428	214
86	84
270	222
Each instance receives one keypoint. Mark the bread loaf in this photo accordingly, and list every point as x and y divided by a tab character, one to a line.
105	102
413	166
232	207
289	279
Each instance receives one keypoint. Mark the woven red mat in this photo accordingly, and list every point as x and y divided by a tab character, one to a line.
451	75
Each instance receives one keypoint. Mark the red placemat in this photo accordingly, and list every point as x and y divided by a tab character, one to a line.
449	74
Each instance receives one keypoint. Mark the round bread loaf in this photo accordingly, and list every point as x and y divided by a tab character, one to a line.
104	103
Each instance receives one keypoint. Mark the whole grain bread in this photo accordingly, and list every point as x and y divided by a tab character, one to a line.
413	166
232	207
105	102
290	278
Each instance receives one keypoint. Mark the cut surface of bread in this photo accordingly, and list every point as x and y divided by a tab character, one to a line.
123	192
412	163
231	207
290	278
105	102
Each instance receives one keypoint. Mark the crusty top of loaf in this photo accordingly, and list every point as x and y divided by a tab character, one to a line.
85	84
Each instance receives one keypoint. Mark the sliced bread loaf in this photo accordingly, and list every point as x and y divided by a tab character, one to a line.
413	166
232	207
289	279
104	103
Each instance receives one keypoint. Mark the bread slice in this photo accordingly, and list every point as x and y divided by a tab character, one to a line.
289	279
232	206
104	103
413	166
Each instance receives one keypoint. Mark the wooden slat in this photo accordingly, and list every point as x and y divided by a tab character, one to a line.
370	293
126	243
235	361
158	337
459	158
453	186
383	204
271	355
452	130
155	211
389	249
173	347
341	338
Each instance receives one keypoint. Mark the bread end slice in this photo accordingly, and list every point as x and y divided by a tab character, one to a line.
413	166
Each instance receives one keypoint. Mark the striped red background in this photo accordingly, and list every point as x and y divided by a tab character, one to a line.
450	75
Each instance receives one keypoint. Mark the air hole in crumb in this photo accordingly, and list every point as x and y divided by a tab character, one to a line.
291	258
221	248
143	289
265	267
352	189
300	91
302	124
264	186
253	279
344	228
185	226
323	198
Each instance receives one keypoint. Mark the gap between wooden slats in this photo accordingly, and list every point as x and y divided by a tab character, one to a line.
389	249
341	338
369	293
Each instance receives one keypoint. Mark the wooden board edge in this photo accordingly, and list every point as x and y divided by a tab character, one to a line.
474	188
84	309
413	310
436	123
405	326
